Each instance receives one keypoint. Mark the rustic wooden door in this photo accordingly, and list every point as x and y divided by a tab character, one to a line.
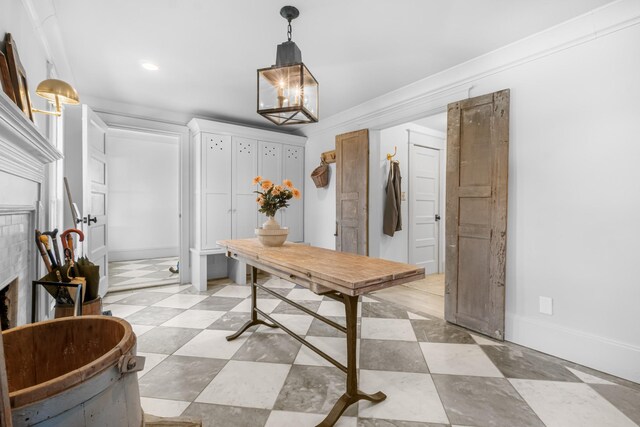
352	192
476	212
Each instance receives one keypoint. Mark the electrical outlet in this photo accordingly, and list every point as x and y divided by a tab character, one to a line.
546	305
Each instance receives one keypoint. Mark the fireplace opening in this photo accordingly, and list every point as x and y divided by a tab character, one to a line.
9	305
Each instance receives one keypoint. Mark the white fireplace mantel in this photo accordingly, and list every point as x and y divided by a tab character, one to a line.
24	149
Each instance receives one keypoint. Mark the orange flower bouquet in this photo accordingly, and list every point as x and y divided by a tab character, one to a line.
273	197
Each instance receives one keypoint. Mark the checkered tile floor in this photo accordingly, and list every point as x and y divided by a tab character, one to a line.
142	273
434	374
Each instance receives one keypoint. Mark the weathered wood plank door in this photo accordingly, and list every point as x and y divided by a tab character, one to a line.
476	212
352	192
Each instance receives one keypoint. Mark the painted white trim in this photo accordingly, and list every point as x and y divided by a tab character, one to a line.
428	96
25	150
210	126
612	357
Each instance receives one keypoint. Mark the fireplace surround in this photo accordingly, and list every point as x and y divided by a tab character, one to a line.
24	154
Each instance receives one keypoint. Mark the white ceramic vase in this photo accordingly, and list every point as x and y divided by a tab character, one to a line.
271	234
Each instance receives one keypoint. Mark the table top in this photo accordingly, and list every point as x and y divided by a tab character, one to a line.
339	271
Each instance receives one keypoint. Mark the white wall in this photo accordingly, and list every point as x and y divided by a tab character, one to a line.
143	195
573	181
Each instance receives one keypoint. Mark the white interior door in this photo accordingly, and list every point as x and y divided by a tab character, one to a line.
424	207
94	194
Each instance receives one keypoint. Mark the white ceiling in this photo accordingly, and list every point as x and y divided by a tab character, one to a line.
208	50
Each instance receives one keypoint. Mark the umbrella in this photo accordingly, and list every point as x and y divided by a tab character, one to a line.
91	273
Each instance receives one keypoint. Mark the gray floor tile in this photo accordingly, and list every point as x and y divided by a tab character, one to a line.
525	364
144	298
384	355
623	398
320	329
313	389
153	316
180	377
370	422
284	308
383	309
227	416
165	340
440	331
211	289
267	347
218	303
279	291
479	401
232	321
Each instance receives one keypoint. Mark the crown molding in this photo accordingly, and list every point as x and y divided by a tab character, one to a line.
24	149
428	96
210	126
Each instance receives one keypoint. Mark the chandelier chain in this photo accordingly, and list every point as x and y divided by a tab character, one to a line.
289	30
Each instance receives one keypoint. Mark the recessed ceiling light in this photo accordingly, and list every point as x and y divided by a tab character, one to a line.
149	66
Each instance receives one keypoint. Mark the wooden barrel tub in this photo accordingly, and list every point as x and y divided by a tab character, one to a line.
75	371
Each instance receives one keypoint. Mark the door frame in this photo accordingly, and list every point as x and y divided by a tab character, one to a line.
136	124
441	146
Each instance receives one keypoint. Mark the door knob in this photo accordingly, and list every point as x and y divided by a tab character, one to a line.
89	219
437	217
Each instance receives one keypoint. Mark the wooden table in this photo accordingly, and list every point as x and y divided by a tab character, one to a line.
337	275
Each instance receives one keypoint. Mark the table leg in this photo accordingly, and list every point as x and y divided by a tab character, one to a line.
254	315
353	394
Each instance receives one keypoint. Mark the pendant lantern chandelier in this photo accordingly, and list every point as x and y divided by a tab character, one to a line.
287	91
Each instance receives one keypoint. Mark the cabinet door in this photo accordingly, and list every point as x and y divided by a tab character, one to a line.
293	169
216	189
270	167
245	168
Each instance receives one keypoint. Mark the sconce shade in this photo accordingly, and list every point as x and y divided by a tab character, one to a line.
58	91
288	94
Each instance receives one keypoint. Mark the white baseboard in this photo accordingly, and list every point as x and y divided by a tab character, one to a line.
135	254
606	355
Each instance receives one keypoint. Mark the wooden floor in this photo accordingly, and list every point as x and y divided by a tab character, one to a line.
426	295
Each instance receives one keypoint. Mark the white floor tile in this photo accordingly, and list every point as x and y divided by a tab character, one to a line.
301	419
297	323
367	299
163	407
131	266
458	359
181	301
410	397
414	316
212	344
199	319
590	379
334	347
151	361
115	297
140	330
267	305
133	273
123	310
485	341
246	384
171	289
332	308
304	295
234	291
387	329
276	282
561	404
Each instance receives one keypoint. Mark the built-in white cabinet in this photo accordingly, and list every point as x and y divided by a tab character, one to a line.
226	159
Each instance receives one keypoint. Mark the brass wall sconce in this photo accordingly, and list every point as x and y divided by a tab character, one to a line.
57	92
